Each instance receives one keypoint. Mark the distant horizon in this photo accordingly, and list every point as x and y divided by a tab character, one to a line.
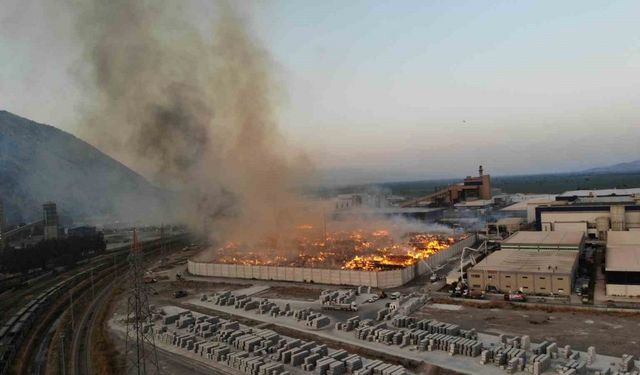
369	181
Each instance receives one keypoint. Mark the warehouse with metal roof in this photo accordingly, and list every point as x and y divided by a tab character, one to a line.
623	263
533	272
543	241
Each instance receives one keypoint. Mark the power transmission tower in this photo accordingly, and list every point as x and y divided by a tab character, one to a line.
140	348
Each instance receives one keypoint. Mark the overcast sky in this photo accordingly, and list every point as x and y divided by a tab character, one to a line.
388	90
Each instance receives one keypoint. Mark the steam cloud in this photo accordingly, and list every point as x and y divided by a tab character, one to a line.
192	111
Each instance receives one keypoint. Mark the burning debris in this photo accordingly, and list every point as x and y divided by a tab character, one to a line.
355	250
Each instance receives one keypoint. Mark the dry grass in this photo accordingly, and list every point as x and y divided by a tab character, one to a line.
106	358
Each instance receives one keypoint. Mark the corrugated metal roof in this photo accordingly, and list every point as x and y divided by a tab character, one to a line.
545	238
623	251
522	205
510	221
557	262
600	193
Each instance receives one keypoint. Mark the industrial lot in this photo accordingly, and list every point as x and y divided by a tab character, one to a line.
319	188
487	283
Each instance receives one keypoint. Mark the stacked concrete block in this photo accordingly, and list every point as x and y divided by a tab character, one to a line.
321	350
322	365
215	351
185	321
504	355
364	371
575	356
265	307
343	296
230	325
402	321
486	356
242	302
516	363
274	311
170	319
382	314
336	368
302	314
310	362
469	333
627	363
591	355
566	352
538	364
452	344
434	326
552	350
353	363
574	367
297	359
525	342
350	324
541	348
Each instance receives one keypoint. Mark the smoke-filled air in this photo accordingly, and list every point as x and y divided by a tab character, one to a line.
193	111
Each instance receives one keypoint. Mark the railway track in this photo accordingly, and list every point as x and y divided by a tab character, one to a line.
81	353
83	332
24	331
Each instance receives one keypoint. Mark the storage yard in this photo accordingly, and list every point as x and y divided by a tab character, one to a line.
615	334
458	338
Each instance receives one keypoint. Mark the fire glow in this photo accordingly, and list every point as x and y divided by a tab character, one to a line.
355	250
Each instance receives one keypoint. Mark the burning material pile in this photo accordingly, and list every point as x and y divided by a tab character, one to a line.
354	250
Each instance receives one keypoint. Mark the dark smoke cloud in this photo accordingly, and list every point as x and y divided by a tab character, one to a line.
194	111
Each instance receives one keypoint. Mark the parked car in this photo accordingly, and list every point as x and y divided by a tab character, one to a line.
180	294
516	297
373	299
492	289
475	294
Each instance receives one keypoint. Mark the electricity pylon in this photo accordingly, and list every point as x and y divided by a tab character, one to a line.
140	347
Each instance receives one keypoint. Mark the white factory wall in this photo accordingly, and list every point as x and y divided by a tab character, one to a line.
632	218
623	290
381	279
441	257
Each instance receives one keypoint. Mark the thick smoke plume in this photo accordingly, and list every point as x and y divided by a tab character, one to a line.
194	111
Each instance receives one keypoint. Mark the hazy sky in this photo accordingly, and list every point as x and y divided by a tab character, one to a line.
383	90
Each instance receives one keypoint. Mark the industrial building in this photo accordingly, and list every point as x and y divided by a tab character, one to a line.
504	227
593	220
533	272
471	188
525	205
544	241
623	264
50	218
593	212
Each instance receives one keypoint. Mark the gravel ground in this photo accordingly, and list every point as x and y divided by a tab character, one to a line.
292	292
613	334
